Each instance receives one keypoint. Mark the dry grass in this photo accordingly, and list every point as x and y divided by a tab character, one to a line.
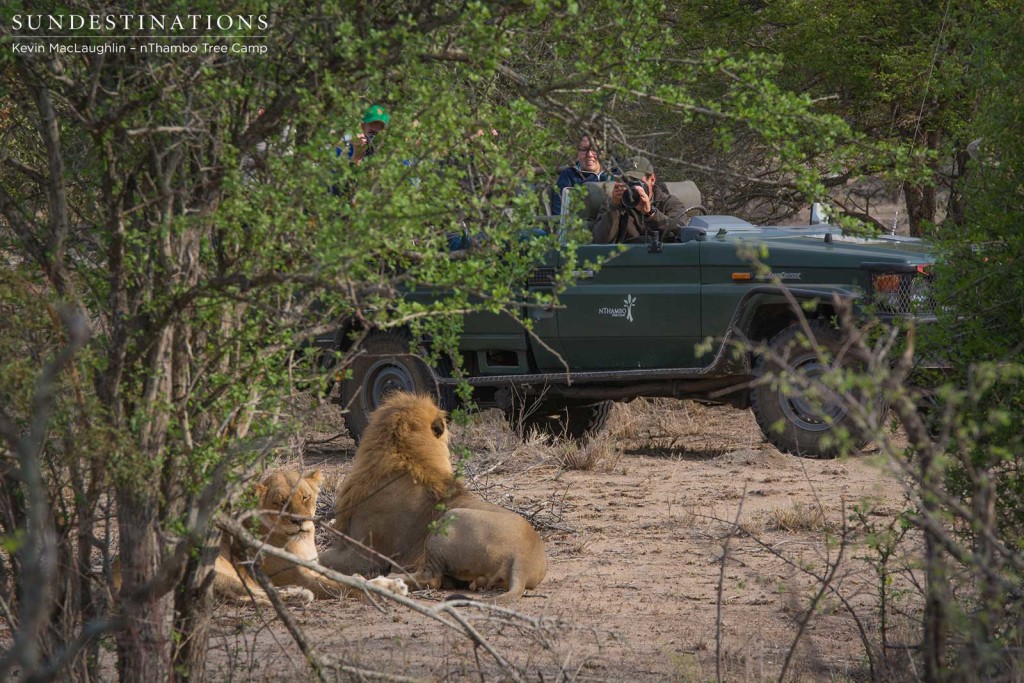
596	452
494	448
497	449
680	428
798	517
664	425
322	427
496	459
618	514
650	421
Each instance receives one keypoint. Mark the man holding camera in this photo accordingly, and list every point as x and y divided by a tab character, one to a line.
375	120
638	208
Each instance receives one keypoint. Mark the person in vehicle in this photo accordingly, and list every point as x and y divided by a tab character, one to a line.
375	120
355	149
639	206
586	169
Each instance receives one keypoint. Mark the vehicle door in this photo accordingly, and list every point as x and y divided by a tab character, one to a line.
639	310
501	346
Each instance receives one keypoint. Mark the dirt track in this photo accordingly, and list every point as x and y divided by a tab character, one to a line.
635	547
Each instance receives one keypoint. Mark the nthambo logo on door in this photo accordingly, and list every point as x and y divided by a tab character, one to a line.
622	311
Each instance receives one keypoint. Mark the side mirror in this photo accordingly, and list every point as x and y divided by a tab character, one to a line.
819	214
689	233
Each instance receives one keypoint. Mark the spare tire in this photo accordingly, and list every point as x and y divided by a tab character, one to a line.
384	365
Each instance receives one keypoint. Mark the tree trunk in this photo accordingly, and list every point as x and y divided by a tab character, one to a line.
936	587
143	646
984	633
921	206
922	202
192	618
934	612
955	205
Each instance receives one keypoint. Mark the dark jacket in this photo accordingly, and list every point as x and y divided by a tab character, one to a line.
616	224
570	177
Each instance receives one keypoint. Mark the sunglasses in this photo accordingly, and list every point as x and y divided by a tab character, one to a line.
586	150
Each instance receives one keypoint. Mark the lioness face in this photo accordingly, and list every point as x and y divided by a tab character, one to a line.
289	492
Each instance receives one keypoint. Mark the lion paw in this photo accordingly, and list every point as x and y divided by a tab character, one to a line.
296	595
396	586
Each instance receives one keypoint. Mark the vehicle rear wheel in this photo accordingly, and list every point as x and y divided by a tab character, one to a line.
384	365
808	424
572	421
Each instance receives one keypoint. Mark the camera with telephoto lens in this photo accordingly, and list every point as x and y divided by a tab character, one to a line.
630	196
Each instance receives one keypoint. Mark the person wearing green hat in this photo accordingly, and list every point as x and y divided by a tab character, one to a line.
375	120
639	206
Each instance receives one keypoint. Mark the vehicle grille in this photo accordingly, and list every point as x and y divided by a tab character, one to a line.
903	293
542	277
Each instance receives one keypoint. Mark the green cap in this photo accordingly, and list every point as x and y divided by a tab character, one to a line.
375	112
637	167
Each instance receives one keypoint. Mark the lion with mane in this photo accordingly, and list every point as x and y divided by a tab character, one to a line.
402	505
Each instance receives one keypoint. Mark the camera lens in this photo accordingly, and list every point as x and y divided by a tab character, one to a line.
630	196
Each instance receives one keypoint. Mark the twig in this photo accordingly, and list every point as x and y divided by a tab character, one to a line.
825	586
480	640
820	579
286	618
361	674
721	584
460	625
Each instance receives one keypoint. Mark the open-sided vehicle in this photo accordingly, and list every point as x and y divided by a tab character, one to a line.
638	327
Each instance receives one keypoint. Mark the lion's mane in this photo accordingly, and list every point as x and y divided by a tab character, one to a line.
402	489
407	435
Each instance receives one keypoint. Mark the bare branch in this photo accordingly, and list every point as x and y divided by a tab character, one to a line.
23	168
286	618
135	132
721	585
39	555
459	625
56	187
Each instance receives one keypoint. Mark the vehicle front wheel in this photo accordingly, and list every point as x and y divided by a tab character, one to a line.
572	421
384	365
795	416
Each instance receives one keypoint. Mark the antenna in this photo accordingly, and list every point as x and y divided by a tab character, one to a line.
924	95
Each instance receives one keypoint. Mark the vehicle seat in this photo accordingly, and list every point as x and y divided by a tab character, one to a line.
598	195
685	191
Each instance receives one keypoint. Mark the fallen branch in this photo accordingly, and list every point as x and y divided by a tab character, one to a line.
721	584
457	622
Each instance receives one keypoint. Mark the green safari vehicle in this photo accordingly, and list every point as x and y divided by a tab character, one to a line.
638	326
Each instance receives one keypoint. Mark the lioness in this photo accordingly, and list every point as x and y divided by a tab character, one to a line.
401	474
280	492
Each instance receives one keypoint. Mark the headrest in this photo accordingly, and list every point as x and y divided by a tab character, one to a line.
598	195
685	191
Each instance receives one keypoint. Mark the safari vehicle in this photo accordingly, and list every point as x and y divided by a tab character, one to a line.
637	326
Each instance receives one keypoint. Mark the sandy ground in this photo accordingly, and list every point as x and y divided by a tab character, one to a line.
649	579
